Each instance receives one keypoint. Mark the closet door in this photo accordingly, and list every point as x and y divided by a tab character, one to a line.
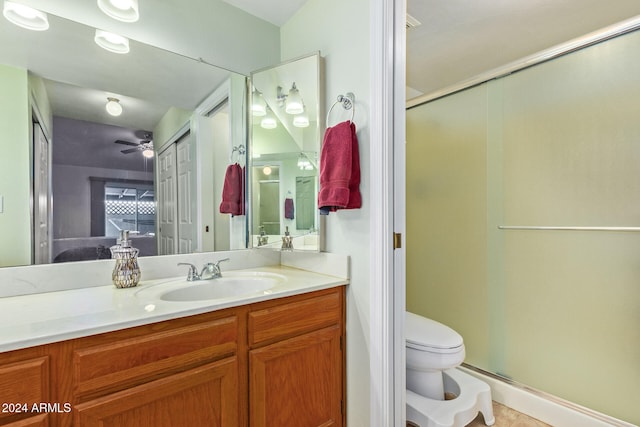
41	199
186	197
167	206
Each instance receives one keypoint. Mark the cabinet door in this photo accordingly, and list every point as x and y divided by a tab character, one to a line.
37	421
204	396
297	382
23	384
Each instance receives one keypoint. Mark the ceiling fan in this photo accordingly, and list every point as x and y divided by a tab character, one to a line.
146	146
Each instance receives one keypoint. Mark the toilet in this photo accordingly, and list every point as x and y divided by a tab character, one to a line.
433	351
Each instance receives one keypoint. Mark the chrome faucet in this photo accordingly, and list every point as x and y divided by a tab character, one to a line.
213	269
210	268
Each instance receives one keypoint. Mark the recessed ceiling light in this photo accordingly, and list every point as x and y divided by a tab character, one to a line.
122	10
25	16
112	42
113	106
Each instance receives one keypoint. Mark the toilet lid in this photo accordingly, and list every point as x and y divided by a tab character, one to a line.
421	332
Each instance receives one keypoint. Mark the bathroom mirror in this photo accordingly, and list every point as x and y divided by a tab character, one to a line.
99	178
285	148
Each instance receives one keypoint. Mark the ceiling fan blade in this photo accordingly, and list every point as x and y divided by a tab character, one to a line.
130	150
119	141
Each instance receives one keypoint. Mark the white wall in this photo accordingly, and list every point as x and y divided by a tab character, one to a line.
340	31
15	224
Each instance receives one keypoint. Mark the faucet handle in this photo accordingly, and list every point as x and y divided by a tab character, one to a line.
193	272
217	263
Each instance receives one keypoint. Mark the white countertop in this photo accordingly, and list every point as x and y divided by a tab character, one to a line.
43	318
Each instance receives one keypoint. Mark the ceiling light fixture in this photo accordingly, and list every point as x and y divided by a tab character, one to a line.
122	10
258	105
113	106
112	42
294	101
148	152
304	163
25	16
269	120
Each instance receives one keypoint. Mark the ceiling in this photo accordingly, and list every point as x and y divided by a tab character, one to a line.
457	40
461	39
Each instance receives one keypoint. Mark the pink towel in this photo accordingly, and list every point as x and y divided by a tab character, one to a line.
233	191
339	169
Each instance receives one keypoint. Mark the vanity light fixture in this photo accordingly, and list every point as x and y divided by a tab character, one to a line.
294	103
258	105
122	10
25	16
269	120
301	120
304	163
112	42
113	107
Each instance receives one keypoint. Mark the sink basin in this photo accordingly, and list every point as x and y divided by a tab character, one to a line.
228	286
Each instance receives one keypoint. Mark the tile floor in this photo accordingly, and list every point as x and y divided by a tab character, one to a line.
506	417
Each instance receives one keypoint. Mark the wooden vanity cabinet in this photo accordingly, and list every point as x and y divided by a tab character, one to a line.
183	372
24	384
274	363
296	361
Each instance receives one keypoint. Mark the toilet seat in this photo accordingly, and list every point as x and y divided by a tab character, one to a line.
427	335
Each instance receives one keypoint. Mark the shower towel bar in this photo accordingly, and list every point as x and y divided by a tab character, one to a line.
348	103
565	228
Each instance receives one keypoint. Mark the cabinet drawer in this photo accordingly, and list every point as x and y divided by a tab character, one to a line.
206	396
295	318
23	384
134	360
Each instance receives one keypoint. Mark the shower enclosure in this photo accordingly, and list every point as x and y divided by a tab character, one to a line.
523	220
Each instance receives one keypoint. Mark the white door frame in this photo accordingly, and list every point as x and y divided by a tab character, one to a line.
387	297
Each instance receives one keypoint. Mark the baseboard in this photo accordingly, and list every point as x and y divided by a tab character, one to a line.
539	405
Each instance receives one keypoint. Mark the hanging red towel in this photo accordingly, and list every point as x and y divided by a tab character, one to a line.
288	208
339	169
233	191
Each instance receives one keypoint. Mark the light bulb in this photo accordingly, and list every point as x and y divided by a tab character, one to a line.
25	16
112	42
301	121
122	10
258	106
269	120
294	101
147	152
113	107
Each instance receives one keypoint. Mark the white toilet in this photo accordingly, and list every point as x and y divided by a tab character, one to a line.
433	351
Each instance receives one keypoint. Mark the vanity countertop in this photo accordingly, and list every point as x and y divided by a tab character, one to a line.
43	318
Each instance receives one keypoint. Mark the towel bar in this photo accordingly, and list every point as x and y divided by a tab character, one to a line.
348	102
565	228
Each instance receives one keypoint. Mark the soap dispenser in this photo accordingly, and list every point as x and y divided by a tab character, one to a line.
287	241
126	273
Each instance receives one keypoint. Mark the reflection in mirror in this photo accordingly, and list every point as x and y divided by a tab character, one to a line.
285	143
72	175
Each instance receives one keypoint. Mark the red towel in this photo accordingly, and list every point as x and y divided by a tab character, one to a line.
288	208
339	169
233	191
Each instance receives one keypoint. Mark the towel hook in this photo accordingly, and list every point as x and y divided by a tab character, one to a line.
239	149
348	103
